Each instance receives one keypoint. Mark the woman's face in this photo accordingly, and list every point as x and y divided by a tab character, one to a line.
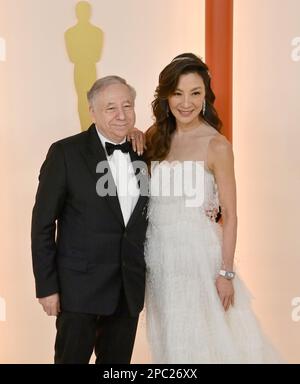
187	100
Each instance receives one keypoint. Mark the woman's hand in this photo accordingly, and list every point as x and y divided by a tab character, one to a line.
138	140
225	291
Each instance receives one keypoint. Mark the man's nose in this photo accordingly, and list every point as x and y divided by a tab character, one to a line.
121	114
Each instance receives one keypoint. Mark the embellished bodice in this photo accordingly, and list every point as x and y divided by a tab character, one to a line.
187	189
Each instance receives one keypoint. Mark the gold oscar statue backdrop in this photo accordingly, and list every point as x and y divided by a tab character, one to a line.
84	43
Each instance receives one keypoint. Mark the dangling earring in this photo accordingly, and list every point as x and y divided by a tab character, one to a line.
204	107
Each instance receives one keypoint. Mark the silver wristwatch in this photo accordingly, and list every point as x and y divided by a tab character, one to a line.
227	274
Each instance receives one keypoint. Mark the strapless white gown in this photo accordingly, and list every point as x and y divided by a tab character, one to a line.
186	322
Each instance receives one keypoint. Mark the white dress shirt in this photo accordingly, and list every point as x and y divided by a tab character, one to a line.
123	173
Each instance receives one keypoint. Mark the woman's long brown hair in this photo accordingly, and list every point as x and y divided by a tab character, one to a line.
158	137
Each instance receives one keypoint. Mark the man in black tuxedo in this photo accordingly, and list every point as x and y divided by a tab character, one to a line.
88	231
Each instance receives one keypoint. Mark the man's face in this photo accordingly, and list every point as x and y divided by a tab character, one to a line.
113	112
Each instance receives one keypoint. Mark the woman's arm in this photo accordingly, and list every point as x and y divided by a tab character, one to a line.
220	156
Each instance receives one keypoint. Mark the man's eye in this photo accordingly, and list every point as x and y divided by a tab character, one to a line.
127	106
111	109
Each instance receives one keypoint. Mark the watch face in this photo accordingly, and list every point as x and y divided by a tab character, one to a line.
230	275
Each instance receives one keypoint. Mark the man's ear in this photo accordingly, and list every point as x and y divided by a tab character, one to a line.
92	113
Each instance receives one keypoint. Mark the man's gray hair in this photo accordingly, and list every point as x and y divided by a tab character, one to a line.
104	82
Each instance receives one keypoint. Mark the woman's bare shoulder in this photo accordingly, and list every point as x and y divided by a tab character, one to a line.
219	152
219	144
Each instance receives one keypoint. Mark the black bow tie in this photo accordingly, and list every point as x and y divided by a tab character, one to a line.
125	147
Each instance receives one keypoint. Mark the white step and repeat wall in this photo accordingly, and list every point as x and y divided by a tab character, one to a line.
266	135
38	105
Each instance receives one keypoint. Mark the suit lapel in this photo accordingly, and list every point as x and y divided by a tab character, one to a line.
94	154
141	171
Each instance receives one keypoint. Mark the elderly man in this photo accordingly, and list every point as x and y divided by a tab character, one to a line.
88	236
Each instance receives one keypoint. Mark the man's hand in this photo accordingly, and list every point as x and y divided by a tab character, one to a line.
225	291
214	214
51	304
138	140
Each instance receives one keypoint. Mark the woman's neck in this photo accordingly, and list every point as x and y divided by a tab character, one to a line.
188	128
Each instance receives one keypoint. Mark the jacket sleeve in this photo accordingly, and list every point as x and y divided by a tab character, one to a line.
48	206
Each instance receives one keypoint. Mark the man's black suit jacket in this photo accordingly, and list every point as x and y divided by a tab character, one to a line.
81	247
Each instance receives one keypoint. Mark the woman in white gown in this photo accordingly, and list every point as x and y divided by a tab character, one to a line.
197	310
